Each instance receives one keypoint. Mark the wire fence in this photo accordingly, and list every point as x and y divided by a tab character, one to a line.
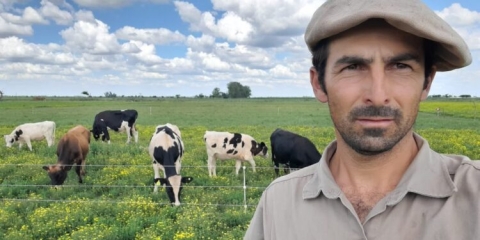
244	187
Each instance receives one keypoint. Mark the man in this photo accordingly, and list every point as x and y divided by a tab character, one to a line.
373	62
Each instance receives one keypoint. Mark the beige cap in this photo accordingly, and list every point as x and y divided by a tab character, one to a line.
412	16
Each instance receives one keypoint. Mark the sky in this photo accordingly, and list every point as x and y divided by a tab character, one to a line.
165	48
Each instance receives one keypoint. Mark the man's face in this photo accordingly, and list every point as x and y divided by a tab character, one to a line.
374	79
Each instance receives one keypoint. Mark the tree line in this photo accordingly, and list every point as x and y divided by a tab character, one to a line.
234	90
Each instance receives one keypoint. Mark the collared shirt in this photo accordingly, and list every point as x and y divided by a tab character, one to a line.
438	197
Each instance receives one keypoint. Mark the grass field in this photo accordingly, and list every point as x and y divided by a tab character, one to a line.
116	200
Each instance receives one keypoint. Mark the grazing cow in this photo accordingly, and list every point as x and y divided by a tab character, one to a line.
238	146
27	132
166	150
72	149
118	121
292	150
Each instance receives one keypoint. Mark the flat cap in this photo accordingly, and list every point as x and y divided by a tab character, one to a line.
411	16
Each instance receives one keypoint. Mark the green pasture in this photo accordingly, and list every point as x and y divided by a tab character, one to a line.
116	200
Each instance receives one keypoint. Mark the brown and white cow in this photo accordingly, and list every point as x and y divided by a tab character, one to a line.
166	150
72	149
28	132
238	146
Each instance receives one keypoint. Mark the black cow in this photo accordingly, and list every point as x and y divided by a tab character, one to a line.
292	150
166	150
118	121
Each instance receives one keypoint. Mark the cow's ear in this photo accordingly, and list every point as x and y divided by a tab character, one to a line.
19	132
46	168
187	179
262	144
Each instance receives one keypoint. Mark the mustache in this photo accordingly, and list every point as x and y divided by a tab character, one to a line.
374	111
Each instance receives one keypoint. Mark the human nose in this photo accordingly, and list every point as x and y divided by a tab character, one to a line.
376	88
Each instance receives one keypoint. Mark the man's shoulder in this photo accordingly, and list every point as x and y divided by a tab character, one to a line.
464	172
460	163
299	177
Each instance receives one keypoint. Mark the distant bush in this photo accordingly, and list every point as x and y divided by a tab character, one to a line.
39	98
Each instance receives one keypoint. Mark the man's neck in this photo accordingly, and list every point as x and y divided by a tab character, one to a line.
367	179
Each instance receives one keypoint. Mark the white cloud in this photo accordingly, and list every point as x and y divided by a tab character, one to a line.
204	43
251	22
86	16
160	36
93	38
30	16
14	49
113	3
10	29
465	22
457	15
52	11
146	54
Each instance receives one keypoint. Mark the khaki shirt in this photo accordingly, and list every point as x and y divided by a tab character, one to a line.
437	198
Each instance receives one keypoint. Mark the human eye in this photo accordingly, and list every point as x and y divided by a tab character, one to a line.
352	67
401	66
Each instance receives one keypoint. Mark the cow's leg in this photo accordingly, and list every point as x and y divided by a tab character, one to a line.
50	139
127	130
157	176
238	164
29	143
106	136
276	168
78	171
252	162
211	166
135	133
20	145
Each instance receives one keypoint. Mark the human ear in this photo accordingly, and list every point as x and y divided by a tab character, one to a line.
429	80
317	88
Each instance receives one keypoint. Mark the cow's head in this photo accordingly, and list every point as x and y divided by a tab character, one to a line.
259	149
9	140
57	174
96	133
173	187
13	137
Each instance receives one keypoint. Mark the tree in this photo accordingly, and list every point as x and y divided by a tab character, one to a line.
216	93
86	94
237	90
110	95
1	95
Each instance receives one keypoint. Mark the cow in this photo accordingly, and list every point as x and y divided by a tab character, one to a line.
28	132
238	146
292	150
166	150
116	120
72	149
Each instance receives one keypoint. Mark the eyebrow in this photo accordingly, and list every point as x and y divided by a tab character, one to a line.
364	61
403	57
353	60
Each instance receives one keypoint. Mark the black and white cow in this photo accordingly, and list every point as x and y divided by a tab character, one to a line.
166	150
292	150
238	146
116	120
28	132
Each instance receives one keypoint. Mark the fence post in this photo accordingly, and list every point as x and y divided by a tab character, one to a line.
244	191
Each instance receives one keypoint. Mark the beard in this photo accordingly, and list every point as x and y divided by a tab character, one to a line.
373	141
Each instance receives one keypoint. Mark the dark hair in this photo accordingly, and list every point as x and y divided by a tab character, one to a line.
321	51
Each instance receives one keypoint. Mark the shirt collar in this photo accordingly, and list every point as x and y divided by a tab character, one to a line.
426	175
